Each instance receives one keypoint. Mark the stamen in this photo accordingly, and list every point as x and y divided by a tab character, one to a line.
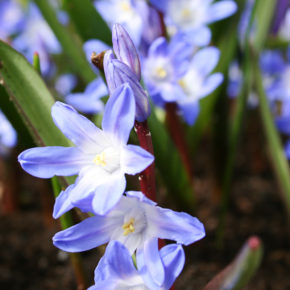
128	227
125	6
161	72
182	83
100	159
186	13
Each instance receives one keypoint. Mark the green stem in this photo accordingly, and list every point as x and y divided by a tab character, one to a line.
278	158
66	221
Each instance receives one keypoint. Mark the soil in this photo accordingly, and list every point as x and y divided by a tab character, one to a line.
28	259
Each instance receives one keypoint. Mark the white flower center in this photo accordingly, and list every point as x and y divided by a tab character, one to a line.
188	14
191	84
134	222
108	159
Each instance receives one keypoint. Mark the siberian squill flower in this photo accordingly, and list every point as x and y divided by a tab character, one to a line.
36	35
189	16
8	136
171	76
89	102
65	83
137	223
101	158
126	12
117	271
11	18
124	67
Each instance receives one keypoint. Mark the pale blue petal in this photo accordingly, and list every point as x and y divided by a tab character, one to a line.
90	233
140	196
62	203
115	264
153	261
158	47
119	115
173	259
205	60
221	10
125	50
74	126
199	37
45	162
189	111
108	194
135	159
105	285
160	4
178	226
211	83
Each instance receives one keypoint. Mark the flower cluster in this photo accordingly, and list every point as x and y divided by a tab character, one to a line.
131	223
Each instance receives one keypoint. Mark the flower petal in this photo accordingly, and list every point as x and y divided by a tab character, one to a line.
135	159
119	115
90	233
80	130
189	111
221	10
108	194
178	226
153	261
62	203
45	162
173	259
211	83
205	60
125	50
115	264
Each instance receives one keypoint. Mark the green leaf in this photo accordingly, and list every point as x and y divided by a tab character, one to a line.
72	46
170	165
278	158
88	22
237	275
31	98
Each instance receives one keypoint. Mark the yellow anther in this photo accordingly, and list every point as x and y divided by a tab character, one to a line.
186	13
161	72
128	227
182	83
100	159
125	6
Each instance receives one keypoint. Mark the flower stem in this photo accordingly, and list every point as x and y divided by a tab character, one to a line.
146	177
177	133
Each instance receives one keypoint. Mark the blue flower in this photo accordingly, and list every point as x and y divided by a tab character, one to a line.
36	35
171	76
118	73
137	223
101	158
11	18
65	84
8	136
89	102
117	271
125	12
189	16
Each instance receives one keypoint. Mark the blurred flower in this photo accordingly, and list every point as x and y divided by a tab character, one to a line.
137	223
65	84
11	18
89	102
36	36
189	16
171	75
100	158
8	136
117	271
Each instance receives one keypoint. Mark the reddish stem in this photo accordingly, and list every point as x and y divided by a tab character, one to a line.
146	177
177	133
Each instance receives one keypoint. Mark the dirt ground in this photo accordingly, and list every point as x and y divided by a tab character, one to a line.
28	259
